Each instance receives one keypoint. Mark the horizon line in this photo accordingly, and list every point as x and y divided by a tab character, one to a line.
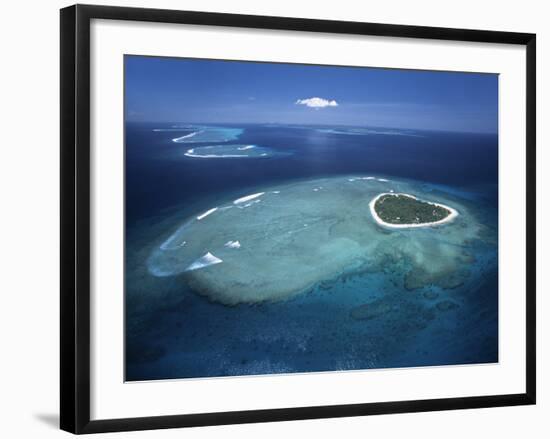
312	125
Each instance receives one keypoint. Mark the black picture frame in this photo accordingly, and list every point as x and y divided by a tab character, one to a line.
75	218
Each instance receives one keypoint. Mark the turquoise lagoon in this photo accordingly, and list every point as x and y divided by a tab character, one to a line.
286	240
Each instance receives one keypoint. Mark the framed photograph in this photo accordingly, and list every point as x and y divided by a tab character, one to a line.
268	218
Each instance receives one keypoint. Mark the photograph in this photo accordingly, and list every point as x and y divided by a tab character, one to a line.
286	218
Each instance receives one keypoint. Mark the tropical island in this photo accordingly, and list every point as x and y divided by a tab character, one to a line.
400	210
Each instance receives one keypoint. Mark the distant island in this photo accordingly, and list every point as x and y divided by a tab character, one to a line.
404	210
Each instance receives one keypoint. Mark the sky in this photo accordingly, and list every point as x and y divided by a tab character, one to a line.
181	90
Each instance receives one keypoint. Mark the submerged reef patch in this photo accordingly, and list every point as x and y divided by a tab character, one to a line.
277	242
371	310
351	131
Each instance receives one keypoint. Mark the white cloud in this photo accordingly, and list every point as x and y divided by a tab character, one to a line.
317	102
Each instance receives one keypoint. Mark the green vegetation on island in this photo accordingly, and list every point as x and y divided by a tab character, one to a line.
404	209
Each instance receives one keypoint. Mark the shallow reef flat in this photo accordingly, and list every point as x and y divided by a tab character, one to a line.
201	134
284	240
232	151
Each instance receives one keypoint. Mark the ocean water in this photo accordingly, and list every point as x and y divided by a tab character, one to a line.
398	299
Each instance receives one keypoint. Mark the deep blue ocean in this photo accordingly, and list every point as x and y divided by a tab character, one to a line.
172	332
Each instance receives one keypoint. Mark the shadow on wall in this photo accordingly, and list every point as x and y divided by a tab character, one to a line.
49	419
